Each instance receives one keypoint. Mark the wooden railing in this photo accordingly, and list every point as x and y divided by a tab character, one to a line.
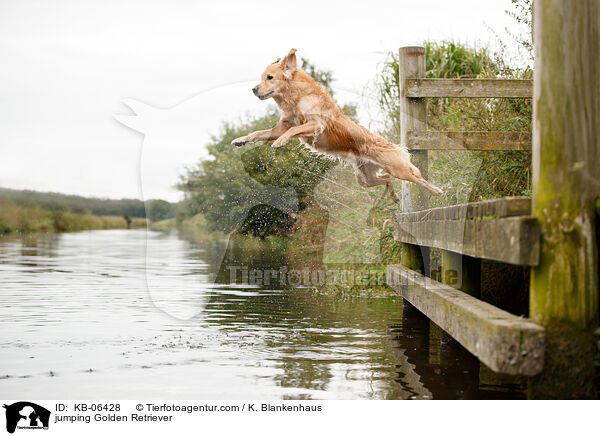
556	236
502	230
468	88
449	140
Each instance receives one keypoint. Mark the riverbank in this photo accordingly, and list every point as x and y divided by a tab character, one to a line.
17	218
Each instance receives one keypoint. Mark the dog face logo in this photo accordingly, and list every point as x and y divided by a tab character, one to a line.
26	415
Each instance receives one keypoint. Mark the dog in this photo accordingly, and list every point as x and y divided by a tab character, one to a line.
309	113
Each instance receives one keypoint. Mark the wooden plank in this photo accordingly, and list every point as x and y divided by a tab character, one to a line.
494	208
461	272
469	88
514	240
434	140
505	343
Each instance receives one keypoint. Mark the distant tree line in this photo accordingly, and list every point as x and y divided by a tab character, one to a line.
52	201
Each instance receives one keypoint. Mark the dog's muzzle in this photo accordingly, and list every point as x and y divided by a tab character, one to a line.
263	96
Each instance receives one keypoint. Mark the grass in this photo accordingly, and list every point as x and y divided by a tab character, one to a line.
197	229
31	217
356	280
163	225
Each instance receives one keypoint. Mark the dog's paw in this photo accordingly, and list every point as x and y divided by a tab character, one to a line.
279	143
436	191
240	141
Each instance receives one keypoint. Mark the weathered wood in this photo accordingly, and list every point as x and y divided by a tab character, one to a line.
461	272
413	117
496	208
513	240
434	140
566	158
476	229
504	342
412	257
470	88
411	63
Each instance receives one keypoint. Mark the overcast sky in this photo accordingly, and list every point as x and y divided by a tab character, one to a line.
67	65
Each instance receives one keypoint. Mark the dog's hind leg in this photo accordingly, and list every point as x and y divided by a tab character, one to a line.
366	176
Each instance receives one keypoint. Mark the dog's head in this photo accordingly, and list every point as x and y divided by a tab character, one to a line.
276	77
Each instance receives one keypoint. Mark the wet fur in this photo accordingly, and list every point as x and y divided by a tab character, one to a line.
308	112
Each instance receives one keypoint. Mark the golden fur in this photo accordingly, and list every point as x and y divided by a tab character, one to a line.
308	112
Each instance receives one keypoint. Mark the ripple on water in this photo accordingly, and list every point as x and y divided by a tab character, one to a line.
88	315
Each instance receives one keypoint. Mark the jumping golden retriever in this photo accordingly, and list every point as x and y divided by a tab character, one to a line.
308	112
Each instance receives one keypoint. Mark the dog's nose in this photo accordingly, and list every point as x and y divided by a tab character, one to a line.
255	90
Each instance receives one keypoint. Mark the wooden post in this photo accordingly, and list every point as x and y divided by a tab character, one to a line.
411	64
566	162
461	272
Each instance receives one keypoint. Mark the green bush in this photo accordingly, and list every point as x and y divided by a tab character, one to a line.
466	175
158	210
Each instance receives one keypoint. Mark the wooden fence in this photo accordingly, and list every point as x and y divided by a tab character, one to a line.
553	233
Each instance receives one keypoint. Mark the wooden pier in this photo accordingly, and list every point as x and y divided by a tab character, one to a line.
553	233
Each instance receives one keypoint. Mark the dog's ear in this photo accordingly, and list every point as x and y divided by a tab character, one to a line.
288	64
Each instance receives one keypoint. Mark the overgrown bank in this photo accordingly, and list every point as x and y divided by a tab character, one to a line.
31	217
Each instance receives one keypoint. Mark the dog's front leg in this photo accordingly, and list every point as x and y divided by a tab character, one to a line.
310	128
263	135
260	135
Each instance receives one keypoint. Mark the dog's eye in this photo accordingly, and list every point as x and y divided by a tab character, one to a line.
269	77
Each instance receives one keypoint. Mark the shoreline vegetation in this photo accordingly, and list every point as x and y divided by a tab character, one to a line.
27	211
30	217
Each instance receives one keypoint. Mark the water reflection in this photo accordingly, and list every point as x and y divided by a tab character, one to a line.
77	321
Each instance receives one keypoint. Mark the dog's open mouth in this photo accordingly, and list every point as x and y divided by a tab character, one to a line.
262	97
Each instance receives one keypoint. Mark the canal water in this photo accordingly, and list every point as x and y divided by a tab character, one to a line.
89	315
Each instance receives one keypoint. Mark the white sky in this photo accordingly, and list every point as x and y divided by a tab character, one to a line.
67	64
